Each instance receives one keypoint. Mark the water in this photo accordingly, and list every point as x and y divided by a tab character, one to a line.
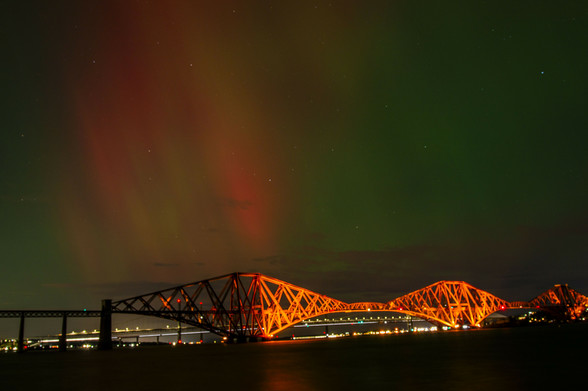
543	357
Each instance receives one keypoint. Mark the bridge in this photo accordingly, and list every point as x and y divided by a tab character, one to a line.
252	306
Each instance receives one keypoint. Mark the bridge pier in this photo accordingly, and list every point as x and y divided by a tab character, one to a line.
20	345
105	341
62	337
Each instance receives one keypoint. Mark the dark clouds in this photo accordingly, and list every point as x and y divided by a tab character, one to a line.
515	267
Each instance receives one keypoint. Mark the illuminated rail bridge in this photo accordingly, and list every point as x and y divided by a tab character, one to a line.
252	306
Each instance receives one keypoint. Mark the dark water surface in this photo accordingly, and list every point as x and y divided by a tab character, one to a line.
541	358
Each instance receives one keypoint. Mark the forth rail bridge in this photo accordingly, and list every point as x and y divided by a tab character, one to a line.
252	307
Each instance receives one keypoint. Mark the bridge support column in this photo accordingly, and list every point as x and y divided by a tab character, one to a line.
62	338
20	345
105	341
179	332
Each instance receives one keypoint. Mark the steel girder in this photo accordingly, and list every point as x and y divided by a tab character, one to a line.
449	303
367	306
237	305
49	314
251	305
561	300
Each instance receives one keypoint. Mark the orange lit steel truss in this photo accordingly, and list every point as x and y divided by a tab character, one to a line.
239	305
561	301
449	303
244	306
367	306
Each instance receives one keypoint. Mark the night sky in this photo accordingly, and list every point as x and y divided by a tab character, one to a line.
361	150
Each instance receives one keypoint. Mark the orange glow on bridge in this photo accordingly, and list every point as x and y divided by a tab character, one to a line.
242	306
449	303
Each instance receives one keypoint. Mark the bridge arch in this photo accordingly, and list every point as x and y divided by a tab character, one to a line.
251	305
450	303
238	305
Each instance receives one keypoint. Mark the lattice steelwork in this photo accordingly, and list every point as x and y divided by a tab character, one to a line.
244	306
251	305
449	303
367	306
238	305
561	300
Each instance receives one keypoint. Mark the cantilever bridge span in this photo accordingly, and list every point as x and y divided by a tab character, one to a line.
242	306
251	306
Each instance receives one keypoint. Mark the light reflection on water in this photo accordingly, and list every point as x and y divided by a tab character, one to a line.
284	371
505	359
